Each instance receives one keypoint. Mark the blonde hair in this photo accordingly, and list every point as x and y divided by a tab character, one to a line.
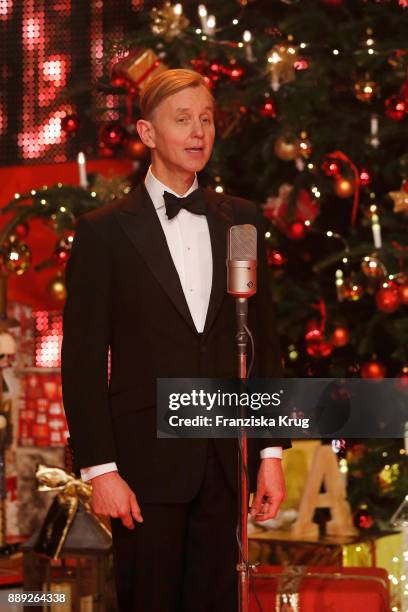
166	84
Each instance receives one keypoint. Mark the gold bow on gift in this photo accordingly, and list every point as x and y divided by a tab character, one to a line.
74	494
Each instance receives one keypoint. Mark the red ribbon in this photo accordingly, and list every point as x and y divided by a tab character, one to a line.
148	71
321	307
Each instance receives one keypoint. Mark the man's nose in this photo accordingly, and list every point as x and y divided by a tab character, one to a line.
197	128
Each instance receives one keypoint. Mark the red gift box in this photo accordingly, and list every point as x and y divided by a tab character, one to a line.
307	589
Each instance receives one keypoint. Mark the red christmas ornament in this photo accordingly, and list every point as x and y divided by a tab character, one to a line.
387	299
372	267
21	230
312	330
340	337
236	74
363	519
268	109
331	168
63	247
343	187
112	134
352	290
302	63
276	259
316	344
70	123
118	80
319	348
135	148
365	177
401	380
296	231
403	293
373	369
332	2
396	108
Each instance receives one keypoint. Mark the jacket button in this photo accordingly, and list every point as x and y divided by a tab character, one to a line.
203	349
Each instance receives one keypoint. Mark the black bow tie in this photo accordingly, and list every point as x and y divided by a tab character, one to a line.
194	202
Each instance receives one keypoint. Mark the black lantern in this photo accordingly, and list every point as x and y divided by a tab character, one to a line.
70	554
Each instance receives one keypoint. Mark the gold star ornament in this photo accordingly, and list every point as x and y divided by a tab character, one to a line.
400	198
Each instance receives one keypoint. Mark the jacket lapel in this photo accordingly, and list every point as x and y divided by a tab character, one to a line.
220	219
139	220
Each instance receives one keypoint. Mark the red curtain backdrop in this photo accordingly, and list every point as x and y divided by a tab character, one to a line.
31	287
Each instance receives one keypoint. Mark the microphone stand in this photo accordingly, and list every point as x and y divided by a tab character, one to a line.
242	565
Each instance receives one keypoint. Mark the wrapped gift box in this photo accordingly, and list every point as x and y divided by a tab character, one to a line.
383	550
41	415
310	588
139	67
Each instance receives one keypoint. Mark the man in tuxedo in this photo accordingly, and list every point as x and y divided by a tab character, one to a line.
147	279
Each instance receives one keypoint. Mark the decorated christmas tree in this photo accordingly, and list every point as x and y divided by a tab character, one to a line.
312	104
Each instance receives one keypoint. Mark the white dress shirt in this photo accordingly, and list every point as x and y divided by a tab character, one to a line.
189	242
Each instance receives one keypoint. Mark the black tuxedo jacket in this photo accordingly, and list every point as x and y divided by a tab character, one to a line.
123	292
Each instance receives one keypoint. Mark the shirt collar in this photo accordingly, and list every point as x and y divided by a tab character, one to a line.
156	189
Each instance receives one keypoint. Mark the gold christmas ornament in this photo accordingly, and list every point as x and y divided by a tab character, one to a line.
352	290
372	267
365	89
343	188
400	199
16	258
286	148
168	21
56	288
281	64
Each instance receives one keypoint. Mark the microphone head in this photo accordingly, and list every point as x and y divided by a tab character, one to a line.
241	260
242	243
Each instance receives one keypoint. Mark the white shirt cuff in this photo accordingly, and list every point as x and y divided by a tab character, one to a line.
97	470
275	452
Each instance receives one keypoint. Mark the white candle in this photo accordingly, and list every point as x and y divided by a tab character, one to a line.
339	285
374	131
211	25
376	229
249	54
83	180
300	164
202	13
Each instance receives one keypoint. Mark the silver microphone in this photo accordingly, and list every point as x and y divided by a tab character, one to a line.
241	261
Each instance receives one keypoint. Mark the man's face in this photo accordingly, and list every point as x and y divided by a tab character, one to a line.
183	130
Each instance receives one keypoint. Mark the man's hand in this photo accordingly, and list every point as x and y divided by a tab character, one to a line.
112	496
270	490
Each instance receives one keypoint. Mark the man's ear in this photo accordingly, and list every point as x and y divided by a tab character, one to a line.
146	132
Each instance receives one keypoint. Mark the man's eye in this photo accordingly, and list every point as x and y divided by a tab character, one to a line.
182	119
